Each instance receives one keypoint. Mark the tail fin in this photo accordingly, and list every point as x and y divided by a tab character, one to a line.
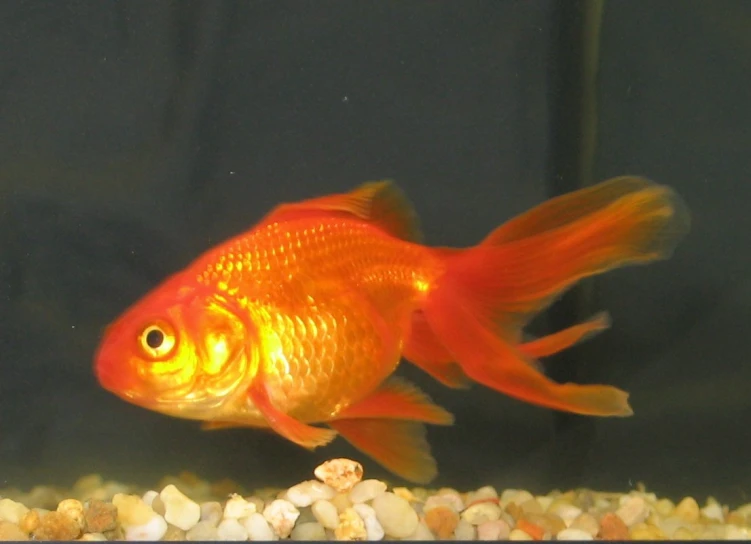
489	292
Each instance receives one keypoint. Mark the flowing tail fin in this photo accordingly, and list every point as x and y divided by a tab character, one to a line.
473	316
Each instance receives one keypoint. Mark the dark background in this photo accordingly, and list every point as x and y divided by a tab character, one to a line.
134	135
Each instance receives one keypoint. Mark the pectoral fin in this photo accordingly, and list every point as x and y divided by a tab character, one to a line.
290	428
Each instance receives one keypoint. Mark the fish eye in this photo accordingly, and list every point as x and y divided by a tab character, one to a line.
157	340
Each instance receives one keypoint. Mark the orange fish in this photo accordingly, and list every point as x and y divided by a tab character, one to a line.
303	319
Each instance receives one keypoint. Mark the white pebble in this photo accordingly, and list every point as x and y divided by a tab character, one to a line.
149	496
211	512
633	510
326	514
574	534
395	515
733	532
422	532
465	531
482	512
310	530
153	529
237	507
373	528
306	493
567	512
12	511
230	529
179	510
258	528
493	530
367	490
202	531
713	511
281	515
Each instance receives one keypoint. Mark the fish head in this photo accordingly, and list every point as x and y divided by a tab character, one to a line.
179	351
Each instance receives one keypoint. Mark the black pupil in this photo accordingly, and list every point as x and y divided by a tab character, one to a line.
154	338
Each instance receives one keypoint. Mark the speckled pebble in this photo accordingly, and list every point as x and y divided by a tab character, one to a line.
481	512
100	516
574	534
366	490
179	510
341	474
442	521
231	529
395	515
281	515
258	528
306	493
73	509
351	526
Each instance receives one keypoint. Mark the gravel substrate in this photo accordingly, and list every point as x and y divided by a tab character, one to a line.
340	505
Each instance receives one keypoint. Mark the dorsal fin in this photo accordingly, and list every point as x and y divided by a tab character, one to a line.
379	202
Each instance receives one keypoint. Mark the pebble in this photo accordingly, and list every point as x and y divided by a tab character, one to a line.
373	529
612	527
94	537
465	531
11	531
493	530
586	522
482	494
179	510
567	511
310	530
131	510
281	515
258	528
202	531
100	516
633	510
442	521
517	496
56	526
72	509
12	511
450	499
366	490
574	534
395	515
481	512
306	493
211	512
152	529
230	529
149	496
351	526
326	514
687	510
713	511
518	534
341	474
238	507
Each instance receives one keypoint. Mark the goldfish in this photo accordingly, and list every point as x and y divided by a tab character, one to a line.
298	324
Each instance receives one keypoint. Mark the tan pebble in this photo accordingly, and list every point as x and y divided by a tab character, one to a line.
465	531
442	521
567	511
683	533
518	496
73	509
395	514
56	526
202	531
29	522
514	510
155	502
211	512
366	490
131	510
481	512
99	516
493	530
713	512
544	502
734	518
612	527
549	523
664	507
449	498
633	510
88	483
642	531
733	532
282	516
405	494
687	509
93	537
531	506
11	510
573	534
586	522
309	531
179	510
482	494
174	534
341	474
11	531
342	502
744	510
518	534
351	526
326	514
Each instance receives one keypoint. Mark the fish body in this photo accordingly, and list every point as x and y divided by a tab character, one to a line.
303	319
